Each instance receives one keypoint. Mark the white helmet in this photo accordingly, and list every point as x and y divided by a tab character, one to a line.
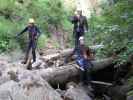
78	9
31	20
81	38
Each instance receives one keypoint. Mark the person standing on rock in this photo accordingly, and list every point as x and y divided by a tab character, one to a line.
34	33
80	26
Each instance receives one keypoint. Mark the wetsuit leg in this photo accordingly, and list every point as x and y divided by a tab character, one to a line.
27	53
86	74
34	51
34	55
77	45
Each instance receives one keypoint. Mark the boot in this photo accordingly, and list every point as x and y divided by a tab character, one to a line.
25	60
34	55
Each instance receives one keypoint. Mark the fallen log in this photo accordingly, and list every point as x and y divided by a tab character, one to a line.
65	52
64	73
55	56
102	83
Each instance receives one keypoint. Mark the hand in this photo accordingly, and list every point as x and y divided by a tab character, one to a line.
75	13
82	69
17	36
35	37
86	31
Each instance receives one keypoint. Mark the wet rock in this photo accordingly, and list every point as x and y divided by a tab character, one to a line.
5	95
19	91
4	79
76	93
130	98
13	75
117	93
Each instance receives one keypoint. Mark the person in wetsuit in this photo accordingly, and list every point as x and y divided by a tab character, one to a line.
34	32
80	26
84	58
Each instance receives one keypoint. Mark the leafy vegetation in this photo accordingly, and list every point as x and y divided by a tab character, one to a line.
14	15
114	29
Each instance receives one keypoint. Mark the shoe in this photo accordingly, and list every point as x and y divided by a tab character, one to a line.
24	62
32	61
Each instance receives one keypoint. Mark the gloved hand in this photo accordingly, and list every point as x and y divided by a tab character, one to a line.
82	69
17	36
36	37
80	62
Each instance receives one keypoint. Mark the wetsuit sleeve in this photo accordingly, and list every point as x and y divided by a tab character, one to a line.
73	19
38	32
22	31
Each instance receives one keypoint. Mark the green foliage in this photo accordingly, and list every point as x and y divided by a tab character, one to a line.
130	82
42	41
6	4
14	15
114	29
6	34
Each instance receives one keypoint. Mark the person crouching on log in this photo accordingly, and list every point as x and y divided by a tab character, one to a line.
34	32
83	59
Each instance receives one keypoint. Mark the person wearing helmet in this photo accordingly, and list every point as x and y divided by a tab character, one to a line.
83	59
34	33
80	26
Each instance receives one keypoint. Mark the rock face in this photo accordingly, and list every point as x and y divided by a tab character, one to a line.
14	91
130	98
76	92
18	83
4	79
117	93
